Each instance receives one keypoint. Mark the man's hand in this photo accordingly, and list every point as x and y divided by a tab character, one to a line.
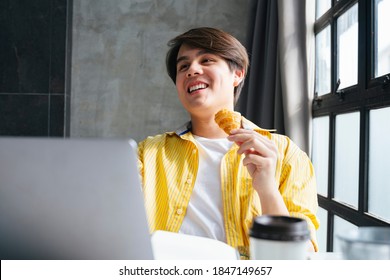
261	155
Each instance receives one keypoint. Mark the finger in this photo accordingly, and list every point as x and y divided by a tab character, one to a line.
254	146
258	162
241	130
243	135
254	142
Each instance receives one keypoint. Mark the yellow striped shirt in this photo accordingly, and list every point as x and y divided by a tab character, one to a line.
169	163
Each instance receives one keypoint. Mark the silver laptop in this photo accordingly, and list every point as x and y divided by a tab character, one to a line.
71	199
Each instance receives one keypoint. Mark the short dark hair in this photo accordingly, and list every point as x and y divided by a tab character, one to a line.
214	41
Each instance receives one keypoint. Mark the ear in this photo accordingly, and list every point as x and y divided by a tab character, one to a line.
239	75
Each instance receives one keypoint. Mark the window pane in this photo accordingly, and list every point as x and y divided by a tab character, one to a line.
347	48
379	162
323	62
322	215
322	6
320	153
382	38
347	158
340	227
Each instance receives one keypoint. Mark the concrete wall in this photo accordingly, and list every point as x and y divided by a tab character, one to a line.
119	85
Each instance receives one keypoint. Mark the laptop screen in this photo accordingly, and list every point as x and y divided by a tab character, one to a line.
71	199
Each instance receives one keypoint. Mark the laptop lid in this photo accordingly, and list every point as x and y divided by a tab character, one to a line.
71	199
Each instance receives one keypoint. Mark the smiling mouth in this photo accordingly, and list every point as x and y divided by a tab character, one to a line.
196	87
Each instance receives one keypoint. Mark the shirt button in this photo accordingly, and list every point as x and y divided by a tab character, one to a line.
188	181
194	151
179	211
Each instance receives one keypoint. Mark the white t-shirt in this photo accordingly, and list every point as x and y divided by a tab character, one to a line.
204	215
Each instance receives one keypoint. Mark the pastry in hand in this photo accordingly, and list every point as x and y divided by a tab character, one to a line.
228	120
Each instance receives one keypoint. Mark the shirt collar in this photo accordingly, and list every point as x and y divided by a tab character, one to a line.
245	123
185	128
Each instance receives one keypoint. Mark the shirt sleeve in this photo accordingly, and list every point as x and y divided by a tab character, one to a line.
298	188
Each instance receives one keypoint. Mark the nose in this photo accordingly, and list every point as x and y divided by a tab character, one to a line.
193	70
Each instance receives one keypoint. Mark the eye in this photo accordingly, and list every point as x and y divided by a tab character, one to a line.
182	67
208	60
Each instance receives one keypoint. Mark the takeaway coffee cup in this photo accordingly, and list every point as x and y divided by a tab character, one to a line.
279	238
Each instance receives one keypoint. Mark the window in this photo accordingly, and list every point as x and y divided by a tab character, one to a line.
351	111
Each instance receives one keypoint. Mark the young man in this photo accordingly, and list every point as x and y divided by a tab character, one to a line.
198	180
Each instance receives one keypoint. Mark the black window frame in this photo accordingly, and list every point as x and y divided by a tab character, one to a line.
369	93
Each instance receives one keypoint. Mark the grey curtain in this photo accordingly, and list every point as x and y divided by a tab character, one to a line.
280	81
260	99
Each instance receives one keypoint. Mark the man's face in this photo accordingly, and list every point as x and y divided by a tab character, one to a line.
204	81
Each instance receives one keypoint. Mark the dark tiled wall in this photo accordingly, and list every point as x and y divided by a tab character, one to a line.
32	67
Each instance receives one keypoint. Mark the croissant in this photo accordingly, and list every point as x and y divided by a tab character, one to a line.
228	120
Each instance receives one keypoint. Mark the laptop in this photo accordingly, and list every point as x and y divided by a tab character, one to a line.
76	199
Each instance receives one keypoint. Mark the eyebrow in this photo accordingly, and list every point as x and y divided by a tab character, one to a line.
179	59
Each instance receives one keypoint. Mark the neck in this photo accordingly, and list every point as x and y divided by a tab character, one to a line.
207	128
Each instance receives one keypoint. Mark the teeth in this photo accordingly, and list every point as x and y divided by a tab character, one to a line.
196	87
